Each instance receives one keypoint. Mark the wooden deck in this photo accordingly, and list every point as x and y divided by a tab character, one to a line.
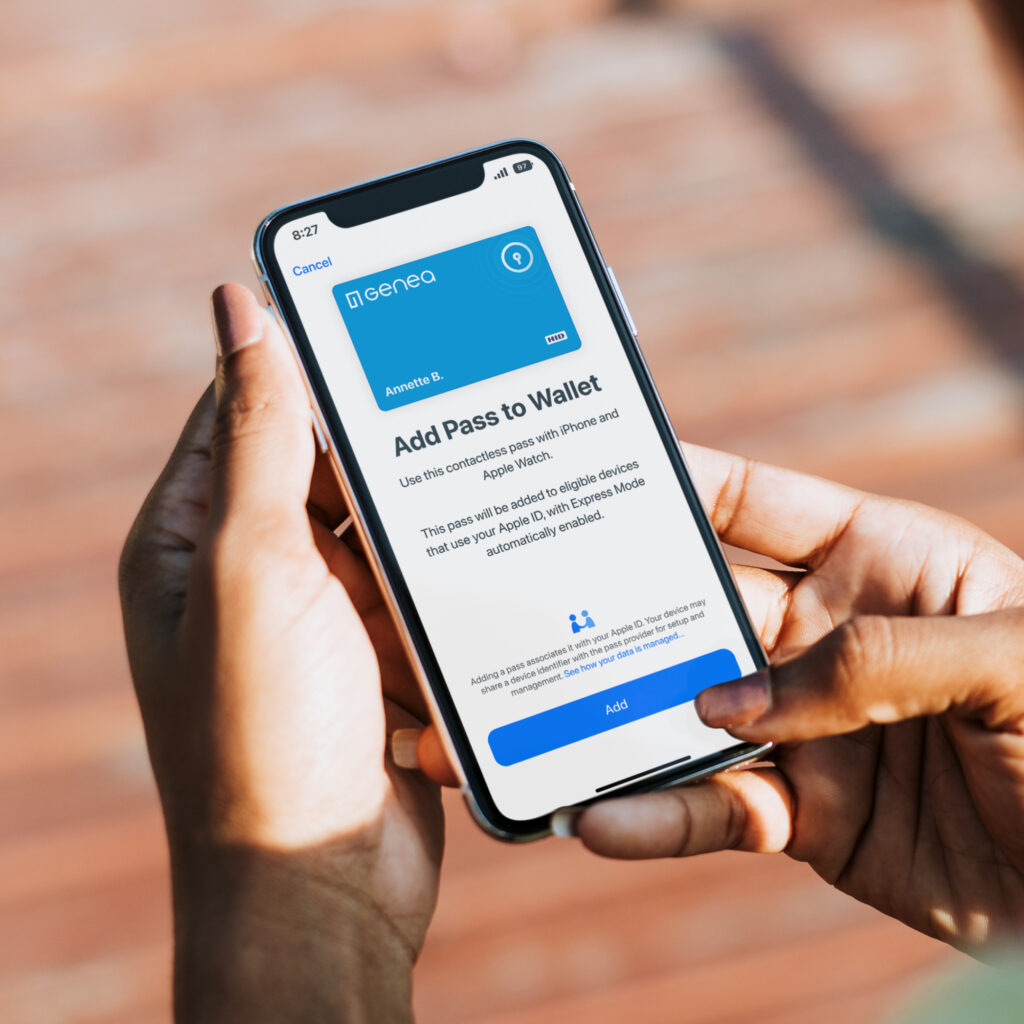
819	225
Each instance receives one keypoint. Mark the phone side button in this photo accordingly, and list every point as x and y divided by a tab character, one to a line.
620	299
318	431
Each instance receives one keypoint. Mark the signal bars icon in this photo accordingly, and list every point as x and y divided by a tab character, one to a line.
503	173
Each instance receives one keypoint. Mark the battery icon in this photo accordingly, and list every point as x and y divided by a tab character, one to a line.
522	165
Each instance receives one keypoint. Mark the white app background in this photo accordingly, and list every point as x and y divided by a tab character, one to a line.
485	614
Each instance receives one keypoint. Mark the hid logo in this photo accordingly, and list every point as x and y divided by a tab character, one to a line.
484	313
385	289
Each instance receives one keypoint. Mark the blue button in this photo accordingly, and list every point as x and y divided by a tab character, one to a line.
608	709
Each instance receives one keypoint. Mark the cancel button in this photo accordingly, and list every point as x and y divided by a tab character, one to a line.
310	267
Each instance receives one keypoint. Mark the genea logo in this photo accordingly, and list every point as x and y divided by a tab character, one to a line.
388	288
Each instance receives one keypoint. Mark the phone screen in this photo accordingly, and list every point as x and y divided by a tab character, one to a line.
511	451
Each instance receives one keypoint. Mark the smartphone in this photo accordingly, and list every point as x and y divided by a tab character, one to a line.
476	382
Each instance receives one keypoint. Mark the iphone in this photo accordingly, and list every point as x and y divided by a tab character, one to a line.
520	492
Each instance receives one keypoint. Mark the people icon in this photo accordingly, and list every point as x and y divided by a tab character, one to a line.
577	627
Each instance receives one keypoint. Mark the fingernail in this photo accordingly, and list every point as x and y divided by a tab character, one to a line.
563	823
238	319
737	703
405	748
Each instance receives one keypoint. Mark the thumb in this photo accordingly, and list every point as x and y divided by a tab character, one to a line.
422	750
262	449
879	670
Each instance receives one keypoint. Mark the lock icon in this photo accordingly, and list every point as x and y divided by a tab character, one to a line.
517	257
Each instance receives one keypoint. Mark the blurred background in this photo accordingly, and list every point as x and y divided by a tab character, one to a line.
816	211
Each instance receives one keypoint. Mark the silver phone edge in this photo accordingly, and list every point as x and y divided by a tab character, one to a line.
376	562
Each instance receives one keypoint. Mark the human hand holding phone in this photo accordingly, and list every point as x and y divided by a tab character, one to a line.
937	782
900	771
260	647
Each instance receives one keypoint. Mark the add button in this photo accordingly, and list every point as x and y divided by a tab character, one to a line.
608	709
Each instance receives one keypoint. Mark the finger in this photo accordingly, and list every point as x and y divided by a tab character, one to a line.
262	450
749	810
350	568
788	516
422	750
766	594
434	761
154	563
326	503
878	670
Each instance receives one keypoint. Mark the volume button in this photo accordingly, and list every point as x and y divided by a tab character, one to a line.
620	299
318	431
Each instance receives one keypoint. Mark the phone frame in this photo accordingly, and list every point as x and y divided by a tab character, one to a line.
395	193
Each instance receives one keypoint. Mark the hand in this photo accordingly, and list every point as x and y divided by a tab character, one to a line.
304	864
897	697
900	777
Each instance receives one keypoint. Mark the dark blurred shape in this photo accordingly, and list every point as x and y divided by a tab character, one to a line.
987	297
1006	18
640	6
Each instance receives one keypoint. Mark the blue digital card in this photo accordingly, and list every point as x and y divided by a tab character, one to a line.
455	318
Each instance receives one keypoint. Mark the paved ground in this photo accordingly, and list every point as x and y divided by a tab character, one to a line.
820	230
